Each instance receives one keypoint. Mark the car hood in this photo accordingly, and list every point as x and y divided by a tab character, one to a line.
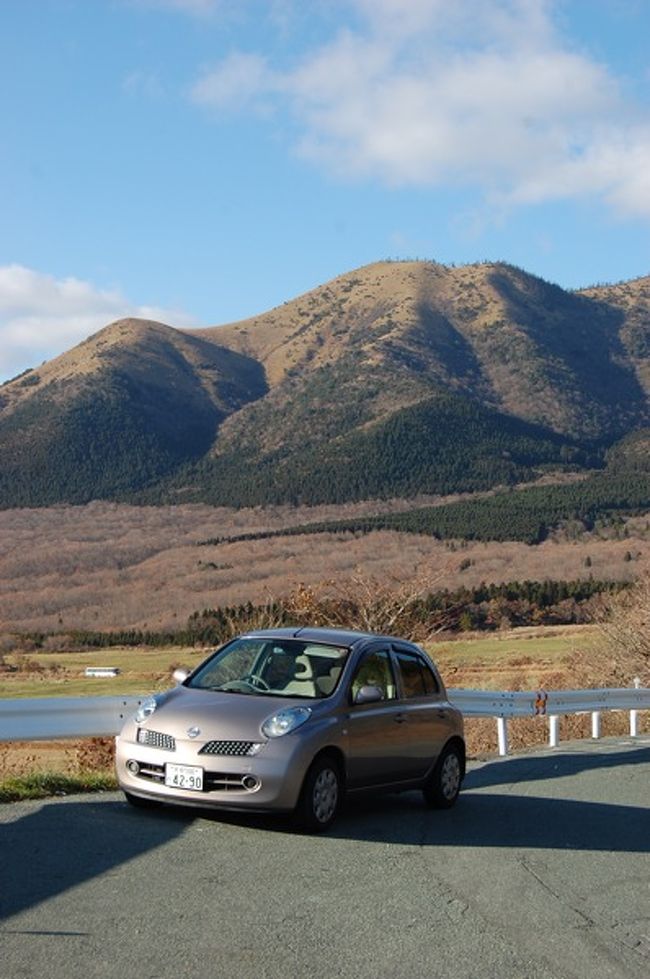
220	716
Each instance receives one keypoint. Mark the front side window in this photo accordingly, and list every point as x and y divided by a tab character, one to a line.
375	671
274	667
416	677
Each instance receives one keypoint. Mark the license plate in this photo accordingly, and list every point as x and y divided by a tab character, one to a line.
184	777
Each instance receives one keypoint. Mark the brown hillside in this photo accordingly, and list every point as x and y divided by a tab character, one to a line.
141	348
489	331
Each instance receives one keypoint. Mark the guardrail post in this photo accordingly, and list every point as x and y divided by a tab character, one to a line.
553	730
502	733
634	714
595	724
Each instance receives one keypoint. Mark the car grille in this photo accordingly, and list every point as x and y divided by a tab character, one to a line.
154	773
222	782
156	740
228	748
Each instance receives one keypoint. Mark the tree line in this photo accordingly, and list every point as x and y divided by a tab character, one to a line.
526	515
486	607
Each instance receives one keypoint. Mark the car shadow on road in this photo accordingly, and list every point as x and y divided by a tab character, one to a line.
66	842
556	764
497	820
525	809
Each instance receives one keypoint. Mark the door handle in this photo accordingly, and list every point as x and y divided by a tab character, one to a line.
401	719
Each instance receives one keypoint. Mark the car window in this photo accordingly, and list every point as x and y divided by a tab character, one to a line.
417	678
237	660
375	670
272	667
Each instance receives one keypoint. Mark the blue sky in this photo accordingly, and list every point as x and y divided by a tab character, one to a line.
200	161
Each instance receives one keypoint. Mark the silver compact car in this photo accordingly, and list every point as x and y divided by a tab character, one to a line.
292	720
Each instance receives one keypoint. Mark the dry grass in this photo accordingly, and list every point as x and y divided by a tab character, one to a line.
104	565
76	759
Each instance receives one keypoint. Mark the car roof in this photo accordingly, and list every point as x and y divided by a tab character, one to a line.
335	637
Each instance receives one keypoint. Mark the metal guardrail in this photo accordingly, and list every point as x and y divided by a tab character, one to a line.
504	704
51	718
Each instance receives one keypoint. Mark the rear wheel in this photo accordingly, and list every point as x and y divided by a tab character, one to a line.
321	795
443	786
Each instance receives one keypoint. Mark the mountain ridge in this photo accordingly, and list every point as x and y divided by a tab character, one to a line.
407	376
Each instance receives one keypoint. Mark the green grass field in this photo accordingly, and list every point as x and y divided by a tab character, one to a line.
62	674
523	659
537	643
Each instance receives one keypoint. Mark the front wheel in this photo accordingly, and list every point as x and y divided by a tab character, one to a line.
443	785
321	795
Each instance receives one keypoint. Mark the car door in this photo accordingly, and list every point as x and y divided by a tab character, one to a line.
425	725
374	749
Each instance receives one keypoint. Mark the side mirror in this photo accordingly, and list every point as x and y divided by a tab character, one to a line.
368	694
180	674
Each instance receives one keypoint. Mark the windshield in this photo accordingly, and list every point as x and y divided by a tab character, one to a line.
273	667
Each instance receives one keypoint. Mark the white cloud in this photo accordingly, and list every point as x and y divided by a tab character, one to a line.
41	316
238	80
481	93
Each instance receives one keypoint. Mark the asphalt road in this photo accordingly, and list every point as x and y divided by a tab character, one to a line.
542	870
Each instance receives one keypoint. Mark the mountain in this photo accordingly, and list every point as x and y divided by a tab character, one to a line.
395	379
117	412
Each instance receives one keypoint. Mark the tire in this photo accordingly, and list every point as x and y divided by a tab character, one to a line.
139	803
443	785
321	795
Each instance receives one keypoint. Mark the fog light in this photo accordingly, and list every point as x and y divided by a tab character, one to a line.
133	767
250	782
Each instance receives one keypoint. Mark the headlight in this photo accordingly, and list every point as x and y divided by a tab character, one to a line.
146	709
285	721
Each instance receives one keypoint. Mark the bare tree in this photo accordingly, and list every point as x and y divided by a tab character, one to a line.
624	621
391	604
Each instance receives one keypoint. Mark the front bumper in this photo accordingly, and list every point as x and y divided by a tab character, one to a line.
278	770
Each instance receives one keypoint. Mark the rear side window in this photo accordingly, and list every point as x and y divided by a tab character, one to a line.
417	678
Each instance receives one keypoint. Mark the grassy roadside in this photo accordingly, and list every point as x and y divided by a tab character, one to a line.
42	785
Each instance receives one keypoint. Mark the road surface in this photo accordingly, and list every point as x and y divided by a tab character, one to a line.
542	870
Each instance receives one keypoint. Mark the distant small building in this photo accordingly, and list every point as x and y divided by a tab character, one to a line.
102	671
